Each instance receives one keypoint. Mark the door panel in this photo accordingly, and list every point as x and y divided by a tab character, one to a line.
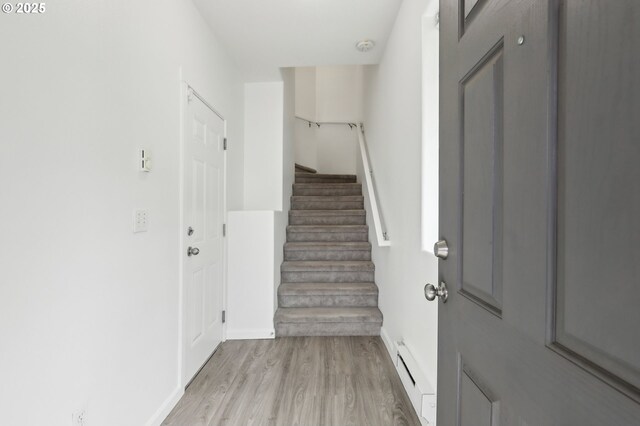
203	212
598	258
195	291
476	409
539	199
482	181
197	210
468	6
472	9
214	181
211	300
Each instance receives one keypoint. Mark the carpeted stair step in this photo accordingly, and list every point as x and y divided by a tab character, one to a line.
296	295
327	276
309	233
324	178
327	217
328	321
327	271
341	202
327	251
327	189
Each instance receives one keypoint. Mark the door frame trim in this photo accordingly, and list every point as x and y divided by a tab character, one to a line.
185	89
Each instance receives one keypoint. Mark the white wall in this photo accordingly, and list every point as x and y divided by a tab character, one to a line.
89	311
281	219
288	136
256	237
251	284
328	94
305	92
263	153
393	123
305	145
339	93
430	129
337	149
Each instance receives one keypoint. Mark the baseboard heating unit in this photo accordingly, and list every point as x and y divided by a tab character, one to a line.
420	391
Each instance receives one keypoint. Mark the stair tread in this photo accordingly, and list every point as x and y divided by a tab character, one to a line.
327	265
327	197
327	245
327	184
325	176
328	228
327	289
346	212
367	314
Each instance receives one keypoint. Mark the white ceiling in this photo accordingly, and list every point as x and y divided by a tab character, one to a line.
264	35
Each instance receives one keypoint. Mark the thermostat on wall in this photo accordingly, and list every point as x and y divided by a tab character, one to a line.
145	160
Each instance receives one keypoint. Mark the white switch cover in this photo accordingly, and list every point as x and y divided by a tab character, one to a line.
145	160
140	220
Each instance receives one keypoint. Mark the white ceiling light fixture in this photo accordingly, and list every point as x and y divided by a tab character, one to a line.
365	45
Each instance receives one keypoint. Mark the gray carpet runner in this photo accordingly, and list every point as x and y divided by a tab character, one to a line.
327	277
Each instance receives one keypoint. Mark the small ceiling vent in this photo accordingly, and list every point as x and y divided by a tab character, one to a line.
365	45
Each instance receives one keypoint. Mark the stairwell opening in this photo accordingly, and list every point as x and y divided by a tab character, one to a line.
327	277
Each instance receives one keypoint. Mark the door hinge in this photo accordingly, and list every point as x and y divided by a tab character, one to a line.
224	144
224	229
224	316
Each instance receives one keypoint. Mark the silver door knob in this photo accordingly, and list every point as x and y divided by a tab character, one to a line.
441	249
193	251
431	292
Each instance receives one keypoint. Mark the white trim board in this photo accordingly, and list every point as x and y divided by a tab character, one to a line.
251	334
166	407
388	343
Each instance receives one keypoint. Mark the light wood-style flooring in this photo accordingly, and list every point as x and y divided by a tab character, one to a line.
308	381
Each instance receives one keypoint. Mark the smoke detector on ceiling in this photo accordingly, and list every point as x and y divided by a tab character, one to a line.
365	45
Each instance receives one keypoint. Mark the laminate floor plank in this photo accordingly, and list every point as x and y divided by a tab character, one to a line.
306	381
239	394
205	393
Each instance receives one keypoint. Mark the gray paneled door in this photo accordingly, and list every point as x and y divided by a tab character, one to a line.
540	207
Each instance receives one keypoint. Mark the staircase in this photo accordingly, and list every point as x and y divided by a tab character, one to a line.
327	286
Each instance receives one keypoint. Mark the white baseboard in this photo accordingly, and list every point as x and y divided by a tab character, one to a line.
389	345
166	407
268	333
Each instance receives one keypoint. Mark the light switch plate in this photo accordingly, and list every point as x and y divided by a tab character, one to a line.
144	156
140	220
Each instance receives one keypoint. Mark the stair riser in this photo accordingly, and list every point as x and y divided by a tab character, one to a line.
327	254
327	192
291	301
312	179
327	329
327	205
327	220
326	236
327	276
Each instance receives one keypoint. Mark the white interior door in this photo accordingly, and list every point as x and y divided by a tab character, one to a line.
203	213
